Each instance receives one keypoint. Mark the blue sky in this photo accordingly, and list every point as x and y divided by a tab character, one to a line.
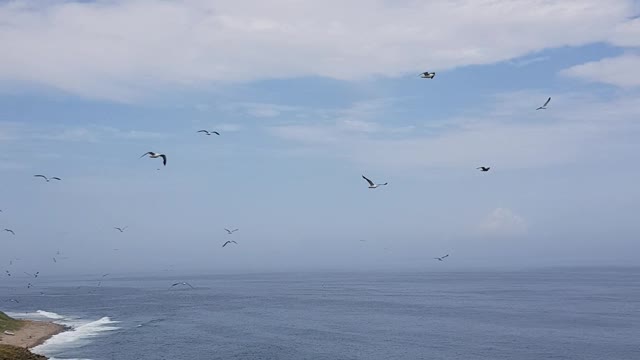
308	97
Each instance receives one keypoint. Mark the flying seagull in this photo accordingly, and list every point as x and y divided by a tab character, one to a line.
9	230
441	258
154	155
181	283
483	168
371	184
54	260
105	275
231	231
48	179
228	242
544	107
121	229
34	275
14	300
428	75
209	132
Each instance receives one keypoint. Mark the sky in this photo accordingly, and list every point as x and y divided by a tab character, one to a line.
308	96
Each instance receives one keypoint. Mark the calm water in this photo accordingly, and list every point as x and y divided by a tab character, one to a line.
552	314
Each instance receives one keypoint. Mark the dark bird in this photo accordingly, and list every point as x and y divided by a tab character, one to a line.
209	132
9	230
228	242
156	155
483	168
8	273
231	231
371	184
441	258
121	229
34	275
428	75
544	107
54	260
29	286
181	283
105	275
48	179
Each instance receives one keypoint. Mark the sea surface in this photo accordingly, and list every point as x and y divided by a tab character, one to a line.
579	313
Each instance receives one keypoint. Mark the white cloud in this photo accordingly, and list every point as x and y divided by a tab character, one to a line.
503	222
123	50
619	71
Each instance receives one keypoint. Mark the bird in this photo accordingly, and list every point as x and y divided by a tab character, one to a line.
8	273
209	132
154	155
231	231
9	230
181	283
441	258
483	168
14	300
29	286
428	75
544	107
54	260
121	229
371	184
34	275
228	242
48	179
104	275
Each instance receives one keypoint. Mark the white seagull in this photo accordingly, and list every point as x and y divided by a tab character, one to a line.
231	231
181	283
154	155
48	179
209	132
371	184
441	258
544	107
229	242
428	75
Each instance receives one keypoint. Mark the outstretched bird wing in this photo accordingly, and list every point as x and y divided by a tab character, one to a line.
547	102
42	176
203	131
55	178
369	181
186	283
164	159
445	256
9	230
229	231
215	132
225	244
147	153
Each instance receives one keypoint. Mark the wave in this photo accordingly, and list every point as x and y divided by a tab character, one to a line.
50	315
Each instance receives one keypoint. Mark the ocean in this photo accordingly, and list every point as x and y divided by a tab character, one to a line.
578	313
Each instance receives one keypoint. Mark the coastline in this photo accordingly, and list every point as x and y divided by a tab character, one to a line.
32	333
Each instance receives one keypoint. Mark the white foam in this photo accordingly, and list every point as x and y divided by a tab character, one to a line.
50	315
79	335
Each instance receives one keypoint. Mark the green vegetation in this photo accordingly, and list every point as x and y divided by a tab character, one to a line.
7	323
8	352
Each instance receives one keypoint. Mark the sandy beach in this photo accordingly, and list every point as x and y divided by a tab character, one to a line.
31	334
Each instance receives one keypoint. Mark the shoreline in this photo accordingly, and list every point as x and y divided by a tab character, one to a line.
32	333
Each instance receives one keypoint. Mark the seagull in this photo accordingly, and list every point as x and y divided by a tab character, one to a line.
371	184
441	258
8	273
428	75
544	107
14	300
54	260
228	242
9	230
105	275
156	155
181	283
209	132
121	229
231	231
483	168
46	178
29	286
34	275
